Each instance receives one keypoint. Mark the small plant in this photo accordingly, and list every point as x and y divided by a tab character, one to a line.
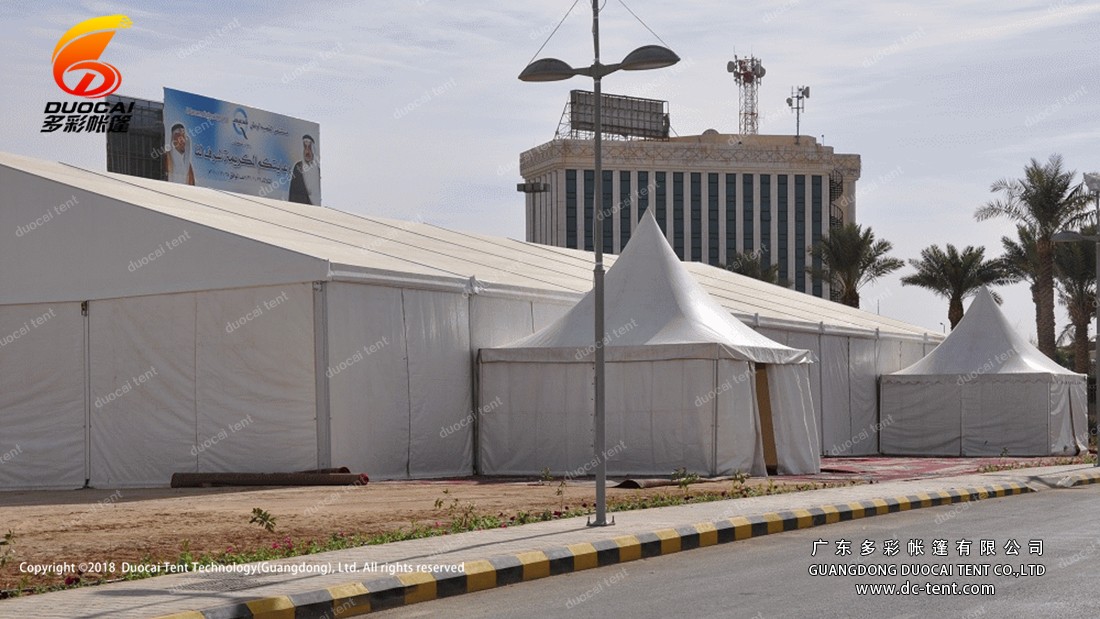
545	476
263	518
7	551
684	479
560	493
185	557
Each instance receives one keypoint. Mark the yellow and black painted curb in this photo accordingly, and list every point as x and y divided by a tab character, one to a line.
358	598
1081	479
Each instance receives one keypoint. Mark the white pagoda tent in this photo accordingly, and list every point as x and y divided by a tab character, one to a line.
688	385
984	391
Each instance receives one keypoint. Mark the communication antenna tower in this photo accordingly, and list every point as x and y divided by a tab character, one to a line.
797	104
748	72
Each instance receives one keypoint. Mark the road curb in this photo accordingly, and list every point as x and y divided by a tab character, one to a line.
358	598
1080	479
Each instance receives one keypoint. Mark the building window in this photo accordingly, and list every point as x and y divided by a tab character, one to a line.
765	219
678	214
800	247
781	228
747	207
713	240
624	208
696	216
731	216
643	193
606	209
571	208
660	186
815	230
589	192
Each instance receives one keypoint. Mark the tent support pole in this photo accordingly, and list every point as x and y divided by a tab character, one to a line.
321	381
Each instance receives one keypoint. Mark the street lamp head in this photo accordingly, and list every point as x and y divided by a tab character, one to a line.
1068	237
649	57
1092	181
547	70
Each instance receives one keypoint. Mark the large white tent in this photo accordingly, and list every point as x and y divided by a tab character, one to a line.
984	391
682	383
148	328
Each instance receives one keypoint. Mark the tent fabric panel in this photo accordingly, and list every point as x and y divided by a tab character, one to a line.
256	390
1002	417
920	419
1078	394
793	420
739	447
812	342
543	420
888	356
41	396
495	321
137	251
546	313
863	402
437	332
143	382
656	413
368	380
836	417
777	335
911	352
1060	437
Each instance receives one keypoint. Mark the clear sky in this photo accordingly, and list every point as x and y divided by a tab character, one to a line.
422	116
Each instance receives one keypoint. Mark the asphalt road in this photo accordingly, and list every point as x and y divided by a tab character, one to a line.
770	576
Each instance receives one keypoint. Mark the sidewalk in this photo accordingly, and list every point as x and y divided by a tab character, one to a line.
355	581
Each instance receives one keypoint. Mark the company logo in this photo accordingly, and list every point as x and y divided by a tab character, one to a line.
76	57
240	122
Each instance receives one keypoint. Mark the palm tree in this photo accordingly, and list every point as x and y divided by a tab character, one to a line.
1076	278
752	265
1021	259
1046	201
851	257
955	275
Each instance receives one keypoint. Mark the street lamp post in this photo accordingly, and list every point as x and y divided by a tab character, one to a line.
1092	182
550	70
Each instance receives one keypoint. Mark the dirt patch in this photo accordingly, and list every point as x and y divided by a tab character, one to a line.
150	525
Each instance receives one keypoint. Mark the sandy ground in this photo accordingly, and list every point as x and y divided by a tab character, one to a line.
150	525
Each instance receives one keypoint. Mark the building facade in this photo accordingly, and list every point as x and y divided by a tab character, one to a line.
715	196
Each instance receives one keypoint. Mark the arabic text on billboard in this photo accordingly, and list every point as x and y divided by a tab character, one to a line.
223	145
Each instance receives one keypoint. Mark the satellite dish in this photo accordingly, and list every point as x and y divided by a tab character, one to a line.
789	102
731	67
759	70
806	92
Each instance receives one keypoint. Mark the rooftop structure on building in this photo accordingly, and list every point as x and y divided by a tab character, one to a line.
717	196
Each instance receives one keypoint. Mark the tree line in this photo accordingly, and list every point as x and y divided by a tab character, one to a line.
1044	201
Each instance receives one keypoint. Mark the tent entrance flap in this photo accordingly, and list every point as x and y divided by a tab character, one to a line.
767	428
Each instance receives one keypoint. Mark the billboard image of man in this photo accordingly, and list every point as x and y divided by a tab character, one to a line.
177	161
305	180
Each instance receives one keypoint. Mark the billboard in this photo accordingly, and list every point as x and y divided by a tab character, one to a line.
620	115
223	145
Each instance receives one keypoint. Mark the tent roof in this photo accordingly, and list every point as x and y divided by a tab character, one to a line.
984	343
253	241
652	300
